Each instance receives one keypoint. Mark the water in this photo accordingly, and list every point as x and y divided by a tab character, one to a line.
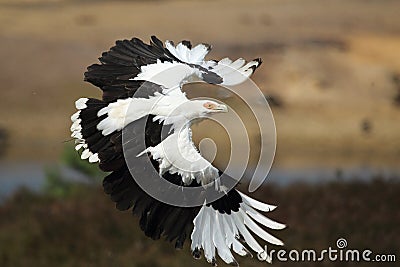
31	175
16	175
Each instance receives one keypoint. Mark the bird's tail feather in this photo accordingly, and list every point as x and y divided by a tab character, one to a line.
218	230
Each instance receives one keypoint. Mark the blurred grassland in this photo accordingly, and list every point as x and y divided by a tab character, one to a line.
86	230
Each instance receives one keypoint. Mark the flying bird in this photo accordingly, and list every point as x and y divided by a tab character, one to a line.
143	81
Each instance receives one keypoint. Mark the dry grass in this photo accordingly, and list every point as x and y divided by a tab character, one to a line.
86	230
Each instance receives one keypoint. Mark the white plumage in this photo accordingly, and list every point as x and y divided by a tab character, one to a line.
178	154
226	229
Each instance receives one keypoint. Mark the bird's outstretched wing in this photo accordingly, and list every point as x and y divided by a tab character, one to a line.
190	65
131	65
122	63
230	72
113	75
119	69
124	68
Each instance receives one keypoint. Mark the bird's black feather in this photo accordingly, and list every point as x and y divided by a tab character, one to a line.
114	76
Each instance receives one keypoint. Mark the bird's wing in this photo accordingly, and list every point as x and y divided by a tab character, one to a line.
229	72
127	65
223	227
132	72
229	223
233	72
131	63
124	68
124	99
133	77
157	219
118	67
97	121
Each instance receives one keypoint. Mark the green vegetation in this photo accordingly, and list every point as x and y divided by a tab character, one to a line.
71	158
59	186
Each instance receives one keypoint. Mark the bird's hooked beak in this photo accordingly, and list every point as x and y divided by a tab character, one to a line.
220	108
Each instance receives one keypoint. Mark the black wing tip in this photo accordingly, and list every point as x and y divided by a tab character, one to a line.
234	263
196	254
171	42
179	244
90	76
259	62
136	39
156	41
208	46
187	43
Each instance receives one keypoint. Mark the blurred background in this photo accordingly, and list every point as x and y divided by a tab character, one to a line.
331	74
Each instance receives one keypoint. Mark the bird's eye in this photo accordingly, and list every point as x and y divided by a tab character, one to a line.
209	105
